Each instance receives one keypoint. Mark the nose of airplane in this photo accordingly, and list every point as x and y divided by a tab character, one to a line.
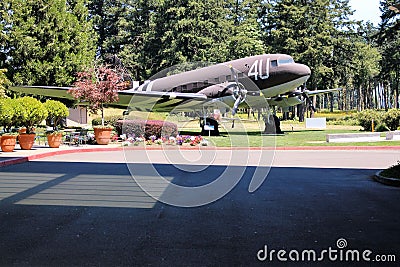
303	70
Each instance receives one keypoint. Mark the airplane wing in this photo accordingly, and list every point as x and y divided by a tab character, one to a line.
320	92
139	100
62	92
51	91
297	97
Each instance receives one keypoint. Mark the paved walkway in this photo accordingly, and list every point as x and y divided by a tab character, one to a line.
255	156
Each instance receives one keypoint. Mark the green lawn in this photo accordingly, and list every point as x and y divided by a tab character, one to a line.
289	139
249	135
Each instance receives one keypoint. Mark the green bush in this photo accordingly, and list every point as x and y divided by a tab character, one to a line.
108	120
392	119
55	112
33	112
350	120
381	128
383	120
392	172
365	118
139	128
10	113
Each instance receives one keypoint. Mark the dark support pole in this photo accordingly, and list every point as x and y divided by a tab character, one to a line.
300	112
272	125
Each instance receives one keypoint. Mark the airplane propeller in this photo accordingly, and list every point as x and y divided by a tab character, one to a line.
239	93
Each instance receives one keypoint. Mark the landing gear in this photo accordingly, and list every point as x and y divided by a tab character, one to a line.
272	124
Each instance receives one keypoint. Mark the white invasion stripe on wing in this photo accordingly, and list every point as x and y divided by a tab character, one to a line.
149	86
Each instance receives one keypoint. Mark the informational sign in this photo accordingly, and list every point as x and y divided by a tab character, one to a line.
316	123
209	127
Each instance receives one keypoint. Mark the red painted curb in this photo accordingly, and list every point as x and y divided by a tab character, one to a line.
13	161
71	151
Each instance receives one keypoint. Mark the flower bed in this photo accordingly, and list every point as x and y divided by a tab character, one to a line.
179	140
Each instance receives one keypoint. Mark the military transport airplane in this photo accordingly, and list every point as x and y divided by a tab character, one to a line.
252	81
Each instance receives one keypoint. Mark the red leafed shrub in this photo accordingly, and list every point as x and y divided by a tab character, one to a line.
139	128
97	86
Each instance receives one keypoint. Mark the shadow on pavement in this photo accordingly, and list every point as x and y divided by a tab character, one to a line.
74	214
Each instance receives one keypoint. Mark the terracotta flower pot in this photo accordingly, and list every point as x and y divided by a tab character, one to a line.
26	141
8	142
54	140
102	135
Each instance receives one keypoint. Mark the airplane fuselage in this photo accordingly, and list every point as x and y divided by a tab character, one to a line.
273	74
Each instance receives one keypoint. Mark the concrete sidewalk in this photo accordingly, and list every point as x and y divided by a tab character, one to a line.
41	151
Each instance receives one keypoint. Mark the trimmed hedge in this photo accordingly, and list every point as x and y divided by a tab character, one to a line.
55	112
33	112
383	120
10	113
139	128
392	119
365	118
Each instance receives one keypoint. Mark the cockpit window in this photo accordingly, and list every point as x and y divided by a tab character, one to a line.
285	61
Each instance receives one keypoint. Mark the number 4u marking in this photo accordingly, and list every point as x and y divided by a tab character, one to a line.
256	70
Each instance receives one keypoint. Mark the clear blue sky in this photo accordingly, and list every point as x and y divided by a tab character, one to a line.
367	10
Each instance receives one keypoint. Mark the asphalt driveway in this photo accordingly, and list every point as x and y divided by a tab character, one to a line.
55	213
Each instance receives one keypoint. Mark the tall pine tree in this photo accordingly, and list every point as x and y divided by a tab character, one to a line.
246	34
389	43
303	29
47	41
192	30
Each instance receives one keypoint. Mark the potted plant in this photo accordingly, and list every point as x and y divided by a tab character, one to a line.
97	86
55	112
10	111
32	112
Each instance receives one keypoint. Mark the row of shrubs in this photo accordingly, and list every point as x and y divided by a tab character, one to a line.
383	120
146	128
29	112
139	128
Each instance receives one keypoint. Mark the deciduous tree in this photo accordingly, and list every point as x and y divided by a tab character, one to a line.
97	86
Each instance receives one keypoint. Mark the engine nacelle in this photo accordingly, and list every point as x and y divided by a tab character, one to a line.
219	90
